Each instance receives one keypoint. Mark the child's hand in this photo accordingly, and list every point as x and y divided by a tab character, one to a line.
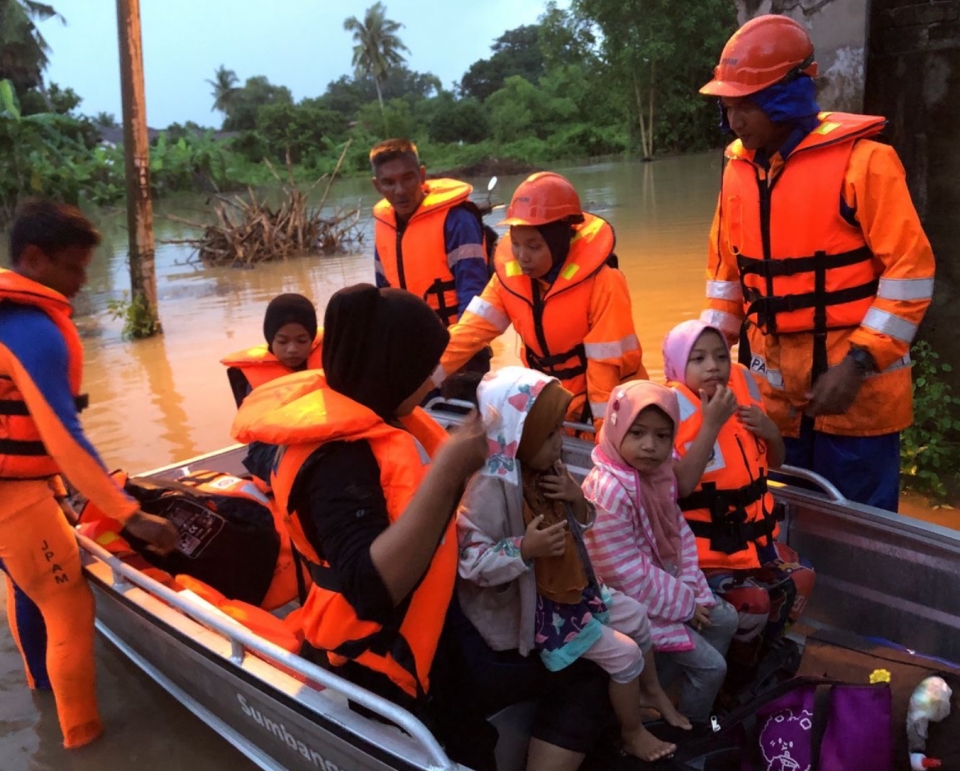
701	618
561	486
718	409
549	542
758	422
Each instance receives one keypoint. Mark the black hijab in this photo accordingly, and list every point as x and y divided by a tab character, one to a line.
289	309
379	345
557	236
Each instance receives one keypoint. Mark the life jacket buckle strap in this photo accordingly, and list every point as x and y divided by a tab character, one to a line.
550	364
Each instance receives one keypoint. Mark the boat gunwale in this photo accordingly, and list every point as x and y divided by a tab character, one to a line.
243	641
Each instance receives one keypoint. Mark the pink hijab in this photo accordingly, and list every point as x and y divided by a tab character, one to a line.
679	342
657	490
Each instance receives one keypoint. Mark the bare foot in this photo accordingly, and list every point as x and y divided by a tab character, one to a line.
662	704
644	745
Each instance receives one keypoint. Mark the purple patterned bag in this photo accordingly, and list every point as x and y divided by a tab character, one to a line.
822	726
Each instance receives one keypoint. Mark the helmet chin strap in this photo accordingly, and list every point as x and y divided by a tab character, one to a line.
797	71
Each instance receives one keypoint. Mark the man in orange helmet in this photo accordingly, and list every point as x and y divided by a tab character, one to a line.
554	283
817	256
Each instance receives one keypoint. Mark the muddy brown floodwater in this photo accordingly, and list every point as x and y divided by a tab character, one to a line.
162	400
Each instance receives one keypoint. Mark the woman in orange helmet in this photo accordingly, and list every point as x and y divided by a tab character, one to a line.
553	281
818	255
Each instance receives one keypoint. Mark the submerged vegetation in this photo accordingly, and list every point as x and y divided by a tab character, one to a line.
248	230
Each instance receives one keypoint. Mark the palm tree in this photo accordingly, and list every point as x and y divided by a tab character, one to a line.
224	88
378	47
23	50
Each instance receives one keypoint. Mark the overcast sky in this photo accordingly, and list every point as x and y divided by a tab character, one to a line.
297	43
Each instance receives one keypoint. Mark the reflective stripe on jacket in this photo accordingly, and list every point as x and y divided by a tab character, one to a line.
814	272
579	329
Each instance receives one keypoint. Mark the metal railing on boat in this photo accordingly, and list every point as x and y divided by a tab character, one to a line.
243	640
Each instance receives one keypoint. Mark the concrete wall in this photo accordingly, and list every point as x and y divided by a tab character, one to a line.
913	78
839	32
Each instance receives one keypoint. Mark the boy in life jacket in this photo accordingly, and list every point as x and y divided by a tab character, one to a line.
555	284
429	239
818	256
41	364
727	445
293	345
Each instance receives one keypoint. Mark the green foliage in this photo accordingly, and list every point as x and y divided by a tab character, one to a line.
516	53
377	46
574	85
105	120
929	448
225	89
139	321
244	103
301	130
24	50
462	120
656	54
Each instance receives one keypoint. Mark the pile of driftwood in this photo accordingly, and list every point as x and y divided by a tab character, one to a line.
248	230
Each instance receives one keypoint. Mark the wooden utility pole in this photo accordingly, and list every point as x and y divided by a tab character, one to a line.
136	147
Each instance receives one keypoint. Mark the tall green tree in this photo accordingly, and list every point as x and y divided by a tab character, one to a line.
515	53
246	102
23	50
224	89
657	53
377	48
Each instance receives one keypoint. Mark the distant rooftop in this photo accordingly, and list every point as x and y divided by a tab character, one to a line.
114	136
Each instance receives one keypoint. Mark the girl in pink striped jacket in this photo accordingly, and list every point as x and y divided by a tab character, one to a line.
641	545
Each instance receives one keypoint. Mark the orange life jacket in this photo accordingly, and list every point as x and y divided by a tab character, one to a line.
803	268
552	324
259	366
404	652
731	508
22	454
415	258
284	587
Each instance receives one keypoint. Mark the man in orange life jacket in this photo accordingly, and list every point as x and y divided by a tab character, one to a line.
41	363
429	240
827	289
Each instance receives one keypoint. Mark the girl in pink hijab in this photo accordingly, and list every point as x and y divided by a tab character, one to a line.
641	545
727	444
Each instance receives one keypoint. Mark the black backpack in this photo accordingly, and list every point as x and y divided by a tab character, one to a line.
227	534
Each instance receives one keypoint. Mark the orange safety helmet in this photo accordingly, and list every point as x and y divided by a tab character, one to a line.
541	198
762	52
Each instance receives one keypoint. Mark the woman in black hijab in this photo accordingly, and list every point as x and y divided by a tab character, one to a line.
381	544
